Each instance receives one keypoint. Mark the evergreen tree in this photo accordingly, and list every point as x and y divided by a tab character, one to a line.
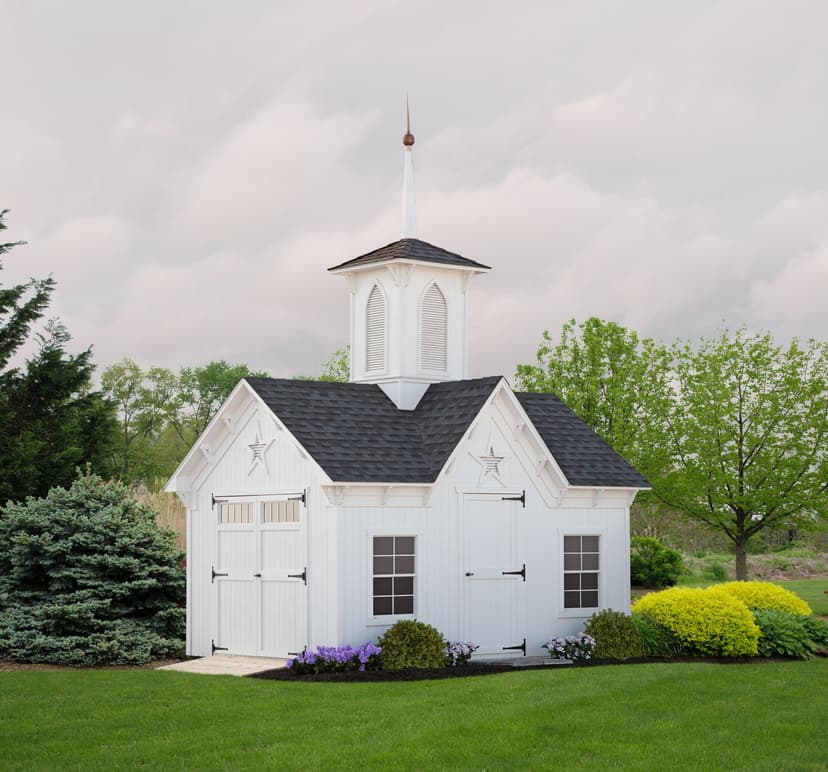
51	421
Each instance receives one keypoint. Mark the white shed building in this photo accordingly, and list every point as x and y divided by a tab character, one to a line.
320	513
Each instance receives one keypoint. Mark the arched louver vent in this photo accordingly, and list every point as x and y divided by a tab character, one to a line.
375	349
433	330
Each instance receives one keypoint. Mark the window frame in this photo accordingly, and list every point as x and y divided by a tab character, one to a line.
386	620
581	611
258	521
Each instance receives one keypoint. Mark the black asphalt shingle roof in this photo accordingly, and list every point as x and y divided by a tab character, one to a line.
582	455
411	249
356	434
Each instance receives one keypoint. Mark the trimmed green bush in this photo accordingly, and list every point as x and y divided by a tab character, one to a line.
709	621
87	577
656	639
652	564
817	630
410	643
616	637
764	595
783	634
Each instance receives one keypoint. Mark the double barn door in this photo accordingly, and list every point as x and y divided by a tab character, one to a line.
260	578
494	575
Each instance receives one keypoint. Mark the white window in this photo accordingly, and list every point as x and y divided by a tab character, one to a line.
272	513
237	512
433	330
375	335
393	575
581	569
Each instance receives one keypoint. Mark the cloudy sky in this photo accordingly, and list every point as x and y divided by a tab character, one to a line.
188	170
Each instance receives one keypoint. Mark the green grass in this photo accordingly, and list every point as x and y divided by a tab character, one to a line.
660	716
812	591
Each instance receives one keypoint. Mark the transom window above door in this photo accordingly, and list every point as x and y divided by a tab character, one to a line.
280	512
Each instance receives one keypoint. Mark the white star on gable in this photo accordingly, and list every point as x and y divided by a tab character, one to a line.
258	449
490	465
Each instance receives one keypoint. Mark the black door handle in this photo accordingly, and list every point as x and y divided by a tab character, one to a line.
469	573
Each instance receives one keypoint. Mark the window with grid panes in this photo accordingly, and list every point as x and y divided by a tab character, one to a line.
581	569
393	575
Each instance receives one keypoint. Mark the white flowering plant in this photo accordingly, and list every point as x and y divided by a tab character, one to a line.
576	648
459	652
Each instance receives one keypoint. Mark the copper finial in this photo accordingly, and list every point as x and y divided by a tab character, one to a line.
408	139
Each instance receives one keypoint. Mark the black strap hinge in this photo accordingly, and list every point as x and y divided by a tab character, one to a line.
303	576
216	648
214	574
521	498
519	647
522	572
302	498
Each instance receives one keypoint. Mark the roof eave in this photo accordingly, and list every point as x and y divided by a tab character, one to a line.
348	268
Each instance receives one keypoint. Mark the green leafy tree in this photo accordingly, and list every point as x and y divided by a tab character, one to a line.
87	577
337	368
609	376
51	420
745	436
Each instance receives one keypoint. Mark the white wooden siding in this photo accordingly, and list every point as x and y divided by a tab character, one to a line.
375	338
434	330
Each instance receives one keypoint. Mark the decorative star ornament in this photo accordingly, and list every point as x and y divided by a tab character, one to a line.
258	450
490	465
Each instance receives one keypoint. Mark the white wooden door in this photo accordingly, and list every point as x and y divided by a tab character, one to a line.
261	578
492	592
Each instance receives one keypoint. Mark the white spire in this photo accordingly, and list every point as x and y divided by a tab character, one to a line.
409	210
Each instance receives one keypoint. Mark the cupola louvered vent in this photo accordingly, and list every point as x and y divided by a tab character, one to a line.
433	330
375	348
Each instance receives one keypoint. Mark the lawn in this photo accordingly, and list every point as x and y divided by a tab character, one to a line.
812	591
657	716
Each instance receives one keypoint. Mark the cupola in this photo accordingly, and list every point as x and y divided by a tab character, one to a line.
409	304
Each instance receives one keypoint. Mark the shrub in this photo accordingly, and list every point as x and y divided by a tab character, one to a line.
577	648
715	572
458	653
336	659
817	630
87	577
410	643
616	637
706	621
783	634
652	564
656	639
764	595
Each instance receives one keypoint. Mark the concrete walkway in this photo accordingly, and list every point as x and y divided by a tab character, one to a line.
227	664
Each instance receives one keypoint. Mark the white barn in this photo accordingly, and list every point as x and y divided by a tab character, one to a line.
320	513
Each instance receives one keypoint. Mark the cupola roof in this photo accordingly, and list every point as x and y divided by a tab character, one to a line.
411	250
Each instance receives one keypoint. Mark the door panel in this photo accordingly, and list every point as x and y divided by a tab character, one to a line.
237	615
491	599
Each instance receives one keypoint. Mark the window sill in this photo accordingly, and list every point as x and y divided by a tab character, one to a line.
576	613
386	621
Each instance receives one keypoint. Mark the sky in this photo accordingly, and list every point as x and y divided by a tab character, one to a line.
187	171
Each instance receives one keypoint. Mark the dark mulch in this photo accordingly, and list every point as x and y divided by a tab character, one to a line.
424	674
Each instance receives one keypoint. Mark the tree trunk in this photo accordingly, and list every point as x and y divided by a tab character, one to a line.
741	560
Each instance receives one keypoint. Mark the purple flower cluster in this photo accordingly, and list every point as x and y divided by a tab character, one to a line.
577	648
336	659
459	652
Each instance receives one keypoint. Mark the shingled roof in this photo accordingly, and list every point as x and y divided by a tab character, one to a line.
411	249
357	434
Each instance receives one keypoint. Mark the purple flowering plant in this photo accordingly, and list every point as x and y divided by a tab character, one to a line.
577	648
459	653
336	659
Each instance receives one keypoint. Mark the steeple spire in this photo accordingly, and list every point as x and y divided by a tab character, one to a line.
409	210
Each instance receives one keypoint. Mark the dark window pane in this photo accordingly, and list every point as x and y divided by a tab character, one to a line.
572	581
383	586
589	562
589	599
404	605
383	565
404	585
572	562
405	565
590	544
405	545
589	581
572	543
383	545
572	599
382	606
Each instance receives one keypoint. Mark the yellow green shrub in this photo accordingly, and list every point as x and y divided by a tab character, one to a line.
708	621
764	595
